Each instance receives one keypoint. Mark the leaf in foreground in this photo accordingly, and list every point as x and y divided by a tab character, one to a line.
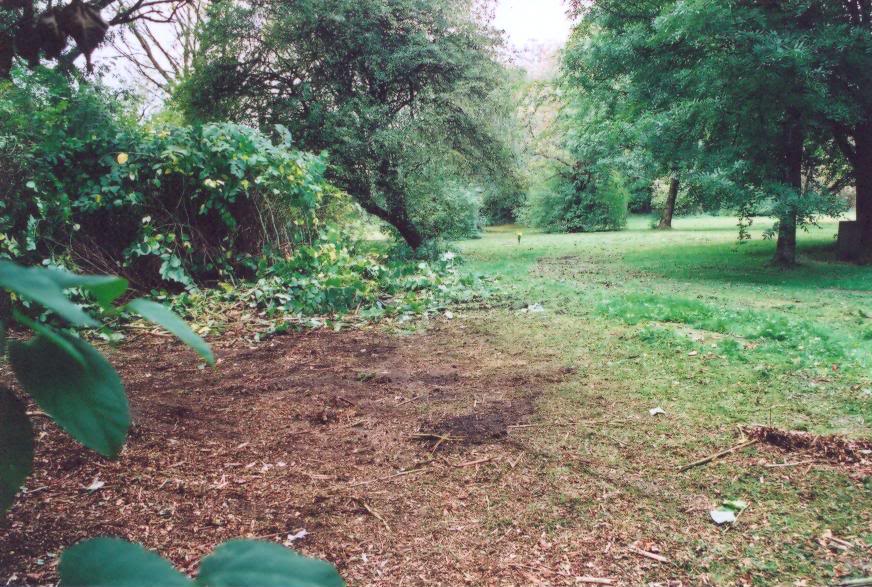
160	314
39	285
105	288
87	400
249	562
112	562
16	447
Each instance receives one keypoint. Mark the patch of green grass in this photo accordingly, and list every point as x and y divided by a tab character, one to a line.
708	330
804	343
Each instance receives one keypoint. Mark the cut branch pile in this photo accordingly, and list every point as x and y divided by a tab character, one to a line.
832	448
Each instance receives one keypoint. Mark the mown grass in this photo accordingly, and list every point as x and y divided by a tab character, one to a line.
693	322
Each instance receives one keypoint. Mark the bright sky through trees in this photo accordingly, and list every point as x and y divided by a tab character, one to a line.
542	21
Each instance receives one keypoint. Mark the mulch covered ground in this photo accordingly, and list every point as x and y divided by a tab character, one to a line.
404	460
319	440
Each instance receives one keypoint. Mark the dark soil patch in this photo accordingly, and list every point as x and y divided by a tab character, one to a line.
488	424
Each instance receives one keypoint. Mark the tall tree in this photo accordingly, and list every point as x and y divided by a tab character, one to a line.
370	81
845	38
736	87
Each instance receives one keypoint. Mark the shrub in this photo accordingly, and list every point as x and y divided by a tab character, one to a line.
580	204
182	204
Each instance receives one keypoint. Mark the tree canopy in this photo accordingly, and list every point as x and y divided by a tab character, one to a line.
386	87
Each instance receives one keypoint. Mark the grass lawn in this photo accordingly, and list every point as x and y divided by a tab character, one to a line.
691	322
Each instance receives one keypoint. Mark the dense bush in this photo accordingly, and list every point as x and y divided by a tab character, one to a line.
182	204
579	204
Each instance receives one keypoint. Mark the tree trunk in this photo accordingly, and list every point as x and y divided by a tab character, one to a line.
669	208
794	142
863	174
785	250
407	230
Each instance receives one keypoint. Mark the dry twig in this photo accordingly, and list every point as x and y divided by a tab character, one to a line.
710	458
473	463
656	557
375	514
387	478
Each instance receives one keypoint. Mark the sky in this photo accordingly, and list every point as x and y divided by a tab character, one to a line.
542	21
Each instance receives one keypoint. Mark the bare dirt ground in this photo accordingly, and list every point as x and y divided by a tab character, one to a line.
404	460
311	432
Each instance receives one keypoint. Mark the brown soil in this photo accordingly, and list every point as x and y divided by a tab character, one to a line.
409	460
306	431
835	449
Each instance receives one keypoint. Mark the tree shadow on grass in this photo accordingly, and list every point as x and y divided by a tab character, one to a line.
750	264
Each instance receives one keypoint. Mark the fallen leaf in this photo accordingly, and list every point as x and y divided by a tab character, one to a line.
723	516
95	485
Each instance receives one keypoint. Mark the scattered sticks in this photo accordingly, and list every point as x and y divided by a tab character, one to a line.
375	514
387	478
797	464
656	557
723	453
408	401
473	463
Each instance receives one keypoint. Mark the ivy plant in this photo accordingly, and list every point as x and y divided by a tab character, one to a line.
74	384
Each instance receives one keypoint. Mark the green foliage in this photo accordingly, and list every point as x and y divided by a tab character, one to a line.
249	562
111	562
580	205
335	279
784	334
169	204
735	98
79	390
396	90
16	447
159	314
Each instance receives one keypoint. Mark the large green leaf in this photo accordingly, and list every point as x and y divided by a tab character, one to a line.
160	314
16	447
251	563
86	399
105	288
41	286
111	562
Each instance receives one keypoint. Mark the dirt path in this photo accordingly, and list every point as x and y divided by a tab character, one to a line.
307	432
440	458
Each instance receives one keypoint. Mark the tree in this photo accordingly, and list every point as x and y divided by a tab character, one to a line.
845	33
161	51
371	81
736	90
36	29
669	209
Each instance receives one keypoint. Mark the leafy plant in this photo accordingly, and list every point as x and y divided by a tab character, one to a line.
163	205
79	389
111	562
